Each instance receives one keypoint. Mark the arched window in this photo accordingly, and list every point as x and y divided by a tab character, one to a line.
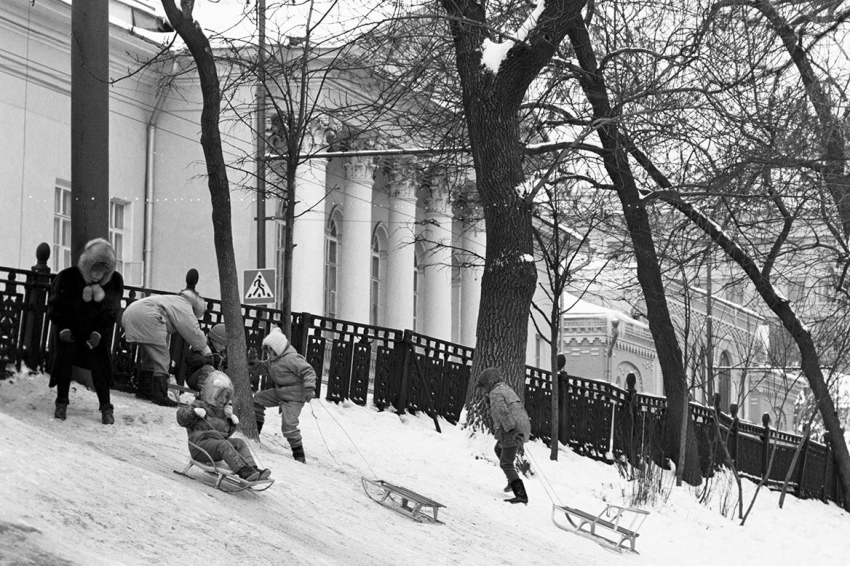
375	289
331	267
417	277
724	381
280	250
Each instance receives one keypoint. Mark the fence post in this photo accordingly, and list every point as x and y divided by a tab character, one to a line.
631	400
563	416
404	385
804	451
732	443
765	452
37	286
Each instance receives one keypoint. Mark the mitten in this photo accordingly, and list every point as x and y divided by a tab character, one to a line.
94	339
309	394
201	412
234	419
228	410
65	335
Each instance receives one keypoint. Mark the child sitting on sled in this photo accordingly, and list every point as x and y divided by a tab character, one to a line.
210	422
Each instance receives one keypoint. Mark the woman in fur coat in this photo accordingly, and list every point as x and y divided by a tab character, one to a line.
84	304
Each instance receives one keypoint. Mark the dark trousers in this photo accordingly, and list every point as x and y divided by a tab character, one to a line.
507	457
98	360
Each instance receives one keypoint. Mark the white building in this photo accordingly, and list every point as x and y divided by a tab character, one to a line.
365	231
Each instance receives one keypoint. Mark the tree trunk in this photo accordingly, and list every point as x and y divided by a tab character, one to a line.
491	101
648	268
199	46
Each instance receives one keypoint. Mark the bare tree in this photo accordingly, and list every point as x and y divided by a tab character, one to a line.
189	30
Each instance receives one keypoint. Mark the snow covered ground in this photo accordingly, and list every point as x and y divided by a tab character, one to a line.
78	492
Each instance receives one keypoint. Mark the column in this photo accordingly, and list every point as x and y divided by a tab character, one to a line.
356	246
402	251
474	248
308	256
436	236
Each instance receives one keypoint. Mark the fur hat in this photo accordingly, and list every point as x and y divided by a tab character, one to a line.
276	341
97	254
218	336
217	389
199	304
488	378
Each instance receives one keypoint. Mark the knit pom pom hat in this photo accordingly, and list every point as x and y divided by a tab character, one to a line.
218	336
276	341
96	264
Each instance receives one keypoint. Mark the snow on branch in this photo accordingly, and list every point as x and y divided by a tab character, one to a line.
493	53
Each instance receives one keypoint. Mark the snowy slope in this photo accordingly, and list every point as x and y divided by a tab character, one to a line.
78	492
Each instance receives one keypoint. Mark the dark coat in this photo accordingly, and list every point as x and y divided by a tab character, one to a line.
214	426
67	309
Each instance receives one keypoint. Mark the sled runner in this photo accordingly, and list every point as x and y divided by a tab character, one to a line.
402	500
225	479
611	533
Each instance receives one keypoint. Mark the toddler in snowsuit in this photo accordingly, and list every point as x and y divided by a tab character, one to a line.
210	422
294	384
84	304
511	427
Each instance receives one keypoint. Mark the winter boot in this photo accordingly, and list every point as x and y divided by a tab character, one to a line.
143	386
106	415
159	391
264	474
520	496
248	473
298	454
508	488
61	410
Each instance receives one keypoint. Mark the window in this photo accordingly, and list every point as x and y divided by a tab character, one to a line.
117	231
61	226
416	277
724	386
375	291
797	289
331	250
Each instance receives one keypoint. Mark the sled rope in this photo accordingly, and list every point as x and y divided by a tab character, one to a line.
547	485
354	444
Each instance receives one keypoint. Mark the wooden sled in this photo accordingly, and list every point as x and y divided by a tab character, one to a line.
225	479
622	525
402	500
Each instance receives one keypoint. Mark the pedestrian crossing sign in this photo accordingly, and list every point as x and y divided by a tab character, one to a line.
258	285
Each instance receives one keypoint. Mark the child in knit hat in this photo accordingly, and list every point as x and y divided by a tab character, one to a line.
511	427
294	383
200	364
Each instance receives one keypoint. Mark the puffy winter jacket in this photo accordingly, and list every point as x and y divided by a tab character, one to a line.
153	319
215	425
292	374
511	425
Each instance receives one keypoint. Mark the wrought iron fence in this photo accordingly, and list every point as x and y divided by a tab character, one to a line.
412	372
